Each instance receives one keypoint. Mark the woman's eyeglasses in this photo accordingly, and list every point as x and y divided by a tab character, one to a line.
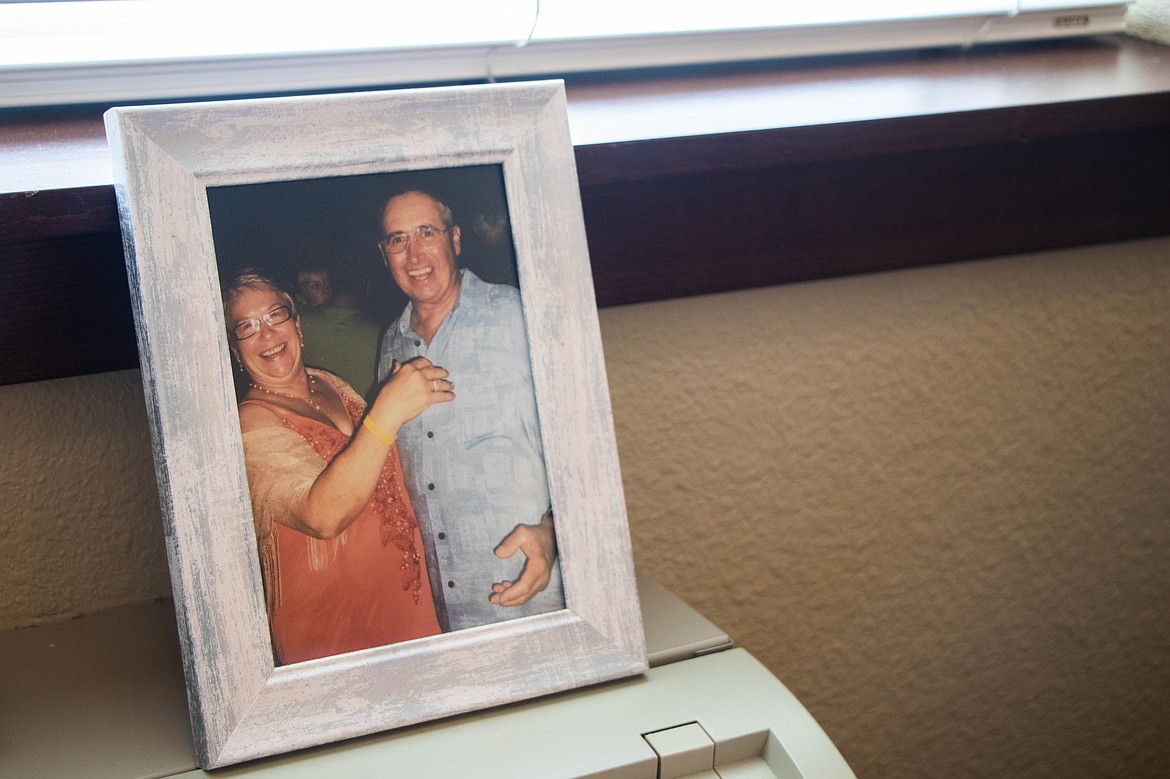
249	327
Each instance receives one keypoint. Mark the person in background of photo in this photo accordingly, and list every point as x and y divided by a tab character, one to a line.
339	544
475	467
339	336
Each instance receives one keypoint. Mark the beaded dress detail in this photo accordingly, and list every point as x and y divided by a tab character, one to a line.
398	522
365	587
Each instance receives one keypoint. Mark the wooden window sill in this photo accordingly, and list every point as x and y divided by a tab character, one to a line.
702	182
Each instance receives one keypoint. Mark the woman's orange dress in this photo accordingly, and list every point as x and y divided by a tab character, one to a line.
365	588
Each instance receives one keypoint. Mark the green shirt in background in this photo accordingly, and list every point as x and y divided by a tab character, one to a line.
342	341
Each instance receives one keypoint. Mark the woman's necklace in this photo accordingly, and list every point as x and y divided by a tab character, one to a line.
309	382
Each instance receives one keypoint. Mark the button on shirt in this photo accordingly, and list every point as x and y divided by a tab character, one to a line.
474	467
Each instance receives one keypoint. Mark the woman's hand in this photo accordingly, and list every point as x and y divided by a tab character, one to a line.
342	490
414	386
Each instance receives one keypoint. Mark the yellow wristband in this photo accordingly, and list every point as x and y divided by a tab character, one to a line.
378	432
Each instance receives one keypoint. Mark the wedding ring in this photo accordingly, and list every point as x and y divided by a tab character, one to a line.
434	387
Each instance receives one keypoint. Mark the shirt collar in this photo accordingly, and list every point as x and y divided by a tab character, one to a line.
469	284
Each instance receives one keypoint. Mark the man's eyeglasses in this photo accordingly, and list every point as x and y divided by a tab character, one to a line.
423	236
249	327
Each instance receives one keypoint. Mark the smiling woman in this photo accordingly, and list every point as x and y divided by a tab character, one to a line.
340	550
89	51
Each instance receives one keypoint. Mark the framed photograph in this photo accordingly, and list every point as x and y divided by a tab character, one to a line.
379	409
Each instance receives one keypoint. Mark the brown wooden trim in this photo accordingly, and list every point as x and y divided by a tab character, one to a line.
651	159
65	308
723	229
672	217
52	213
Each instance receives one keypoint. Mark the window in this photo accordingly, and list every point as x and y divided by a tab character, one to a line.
123	50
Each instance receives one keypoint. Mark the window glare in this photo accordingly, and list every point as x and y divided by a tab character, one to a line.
129	30
55	52
591	18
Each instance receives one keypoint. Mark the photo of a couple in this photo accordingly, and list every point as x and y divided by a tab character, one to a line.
389	424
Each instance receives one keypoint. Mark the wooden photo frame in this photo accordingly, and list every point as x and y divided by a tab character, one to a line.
244	704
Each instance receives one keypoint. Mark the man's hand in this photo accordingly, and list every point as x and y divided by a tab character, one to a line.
539	545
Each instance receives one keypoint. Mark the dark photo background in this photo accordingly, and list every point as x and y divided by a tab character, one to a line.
285	226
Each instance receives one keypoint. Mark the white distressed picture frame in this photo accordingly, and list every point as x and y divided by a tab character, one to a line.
165	158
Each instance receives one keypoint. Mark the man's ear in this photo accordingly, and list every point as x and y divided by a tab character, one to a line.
455	239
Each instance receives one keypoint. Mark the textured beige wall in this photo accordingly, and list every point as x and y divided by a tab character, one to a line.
79	512
933	502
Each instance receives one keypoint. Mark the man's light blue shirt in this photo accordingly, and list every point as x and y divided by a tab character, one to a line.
474	467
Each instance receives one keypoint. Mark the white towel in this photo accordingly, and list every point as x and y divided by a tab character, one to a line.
1149	19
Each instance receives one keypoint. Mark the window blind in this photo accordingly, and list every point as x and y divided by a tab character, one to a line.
104	51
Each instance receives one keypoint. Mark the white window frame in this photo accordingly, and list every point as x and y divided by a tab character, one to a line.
243	47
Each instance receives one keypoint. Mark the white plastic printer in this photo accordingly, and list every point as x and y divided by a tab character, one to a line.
103	696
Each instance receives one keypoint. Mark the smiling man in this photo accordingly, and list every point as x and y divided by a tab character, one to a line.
474	468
